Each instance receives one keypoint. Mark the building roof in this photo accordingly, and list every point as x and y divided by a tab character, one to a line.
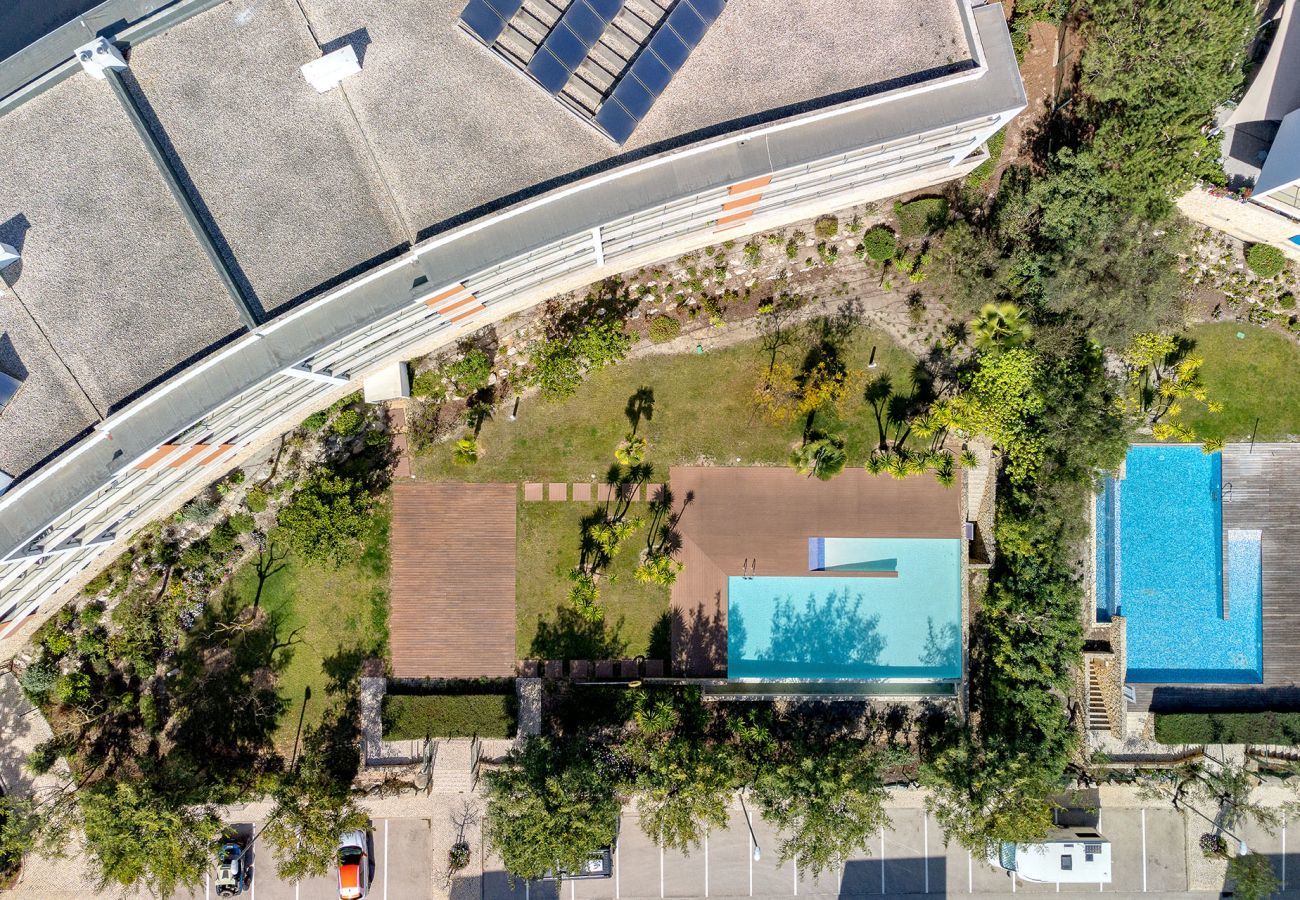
1275	89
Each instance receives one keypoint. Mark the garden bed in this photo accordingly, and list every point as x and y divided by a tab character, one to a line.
415	716
1228	728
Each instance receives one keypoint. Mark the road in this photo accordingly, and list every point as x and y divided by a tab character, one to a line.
1149	857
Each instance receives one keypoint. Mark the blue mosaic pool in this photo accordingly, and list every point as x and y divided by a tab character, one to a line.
1160	564
900	621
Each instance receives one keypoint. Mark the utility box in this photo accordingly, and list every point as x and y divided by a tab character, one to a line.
392	383
99	55
329	71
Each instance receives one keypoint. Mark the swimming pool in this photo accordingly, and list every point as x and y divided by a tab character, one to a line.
899	624
1160	564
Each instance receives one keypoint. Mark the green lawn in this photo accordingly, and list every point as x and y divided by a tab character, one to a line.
1254	377
336	618
703	410
409	717
548	546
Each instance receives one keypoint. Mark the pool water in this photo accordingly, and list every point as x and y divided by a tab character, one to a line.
1160	564
852	627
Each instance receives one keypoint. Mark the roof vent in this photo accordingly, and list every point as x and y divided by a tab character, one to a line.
8	256
98	56
8	388
327	72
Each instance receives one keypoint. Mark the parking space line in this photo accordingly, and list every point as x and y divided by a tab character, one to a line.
1013	882
527	891
706	862
661	871
295	890
207	877
1144	850
753	845
573	889
252	890
925	848
970	872
882	860
385	870
618	887
795	867
1284	852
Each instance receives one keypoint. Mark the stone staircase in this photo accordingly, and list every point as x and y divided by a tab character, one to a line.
455	767
1098	717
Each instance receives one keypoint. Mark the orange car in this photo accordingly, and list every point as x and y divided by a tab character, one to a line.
354	866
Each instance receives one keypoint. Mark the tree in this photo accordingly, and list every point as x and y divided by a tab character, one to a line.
326	518
560	362
1000	326
1252	877
141	838
465	452
684	780
829	797
1001	401
658	567
310	815
549	807
821	457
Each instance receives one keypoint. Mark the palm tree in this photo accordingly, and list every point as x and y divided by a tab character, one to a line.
465	451
820	457
631	452
1000	326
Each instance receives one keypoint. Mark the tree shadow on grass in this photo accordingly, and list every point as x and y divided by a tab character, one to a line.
569	636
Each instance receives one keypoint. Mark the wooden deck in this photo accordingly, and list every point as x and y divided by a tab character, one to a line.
453	580
1261	491
766	515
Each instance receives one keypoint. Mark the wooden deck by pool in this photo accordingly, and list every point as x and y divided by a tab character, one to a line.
762	517
452	605
1261	490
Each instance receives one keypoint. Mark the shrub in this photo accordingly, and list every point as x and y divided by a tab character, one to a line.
1265	260
38	679
316	421
921	217
99	583
429	386
72	689
196	555
91	614
348	422
222	539
198	511
826	227
753	253
411	717
458	856
558	364
1286	301
879	244
57	641
241	523
256	500
1228	728
471	372
326	518
664	329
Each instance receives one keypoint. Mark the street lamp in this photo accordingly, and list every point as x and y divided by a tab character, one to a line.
758	854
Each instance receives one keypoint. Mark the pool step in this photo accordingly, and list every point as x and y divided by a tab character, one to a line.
1098	717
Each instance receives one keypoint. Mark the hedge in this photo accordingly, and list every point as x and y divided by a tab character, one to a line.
412	717
1228	728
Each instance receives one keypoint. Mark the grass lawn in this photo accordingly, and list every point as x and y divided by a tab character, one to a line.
548	545
409	717
703	410
1254	377
340	616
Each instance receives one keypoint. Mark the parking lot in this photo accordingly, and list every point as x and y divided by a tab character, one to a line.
402	853
1148	849
909	858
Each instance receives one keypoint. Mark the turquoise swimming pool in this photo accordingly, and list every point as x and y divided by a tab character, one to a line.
901	621
1160	564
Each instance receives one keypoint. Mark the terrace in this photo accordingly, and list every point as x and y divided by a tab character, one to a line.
879	560
1231	638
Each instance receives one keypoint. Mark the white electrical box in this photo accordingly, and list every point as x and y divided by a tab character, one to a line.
326	73
99	55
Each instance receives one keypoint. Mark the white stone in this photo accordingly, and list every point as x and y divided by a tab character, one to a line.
98	56
327	72
391	383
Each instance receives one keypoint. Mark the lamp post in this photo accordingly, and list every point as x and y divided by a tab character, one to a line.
758	854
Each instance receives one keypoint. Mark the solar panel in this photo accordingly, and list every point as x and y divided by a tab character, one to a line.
655	66
569	42
486	19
